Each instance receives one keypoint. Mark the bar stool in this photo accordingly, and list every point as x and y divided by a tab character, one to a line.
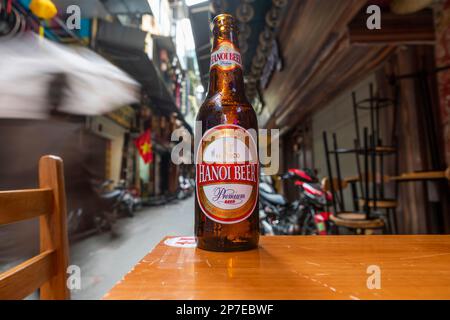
355	219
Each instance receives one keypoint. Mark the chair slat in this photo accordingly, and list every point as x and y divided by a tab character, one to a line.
53	227
24	204
22	280
416	176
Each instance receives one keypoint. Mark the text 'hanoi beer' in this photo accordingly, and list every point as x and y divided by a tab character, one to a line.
227	166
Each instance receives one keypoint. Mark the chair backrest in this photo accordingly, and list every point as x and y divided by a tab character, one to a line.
379	178
48	270
336	185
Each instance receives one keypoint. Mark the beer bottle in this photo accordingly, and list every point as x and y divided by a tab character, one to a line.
227	165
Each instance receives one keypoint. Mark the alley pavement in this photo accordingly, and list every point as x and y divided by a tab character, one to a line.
103	260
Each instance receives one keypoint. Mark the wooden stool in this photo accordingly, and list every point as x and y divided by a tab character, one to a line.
355	220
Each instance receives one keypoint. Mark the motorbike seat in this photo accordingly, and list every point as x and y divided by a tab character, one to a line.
111	195
274	198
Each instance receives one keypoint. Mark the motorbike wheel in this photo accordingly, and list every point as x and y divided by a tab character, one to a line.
74	221
101	224
308	226
180	195
129	211
112	219
262	230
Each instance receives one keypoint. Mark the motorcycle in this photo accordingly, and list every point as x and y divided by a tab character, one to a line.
127	201
185	187
108	205
277	215
314	201
306	216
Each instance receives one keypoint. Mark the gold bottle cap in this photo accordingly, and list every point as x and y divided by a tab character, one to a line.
223	17
224	21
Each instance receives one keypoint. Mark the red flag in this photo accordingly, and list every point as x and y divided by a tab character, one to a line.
144	145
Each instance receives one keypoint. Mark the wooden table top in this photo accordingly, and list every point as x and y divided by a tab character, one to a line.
296	267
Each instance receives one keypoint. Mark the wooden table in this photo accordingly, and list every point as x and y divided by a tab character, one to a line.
301	267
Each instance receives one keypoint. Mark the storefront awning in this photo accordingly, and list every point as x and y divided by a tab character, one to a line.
199	15
140	67
127	6
125	47
89	8
115	34
105	8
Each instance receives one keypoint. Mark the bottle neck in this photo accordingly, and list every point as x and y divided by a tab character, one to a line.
226	75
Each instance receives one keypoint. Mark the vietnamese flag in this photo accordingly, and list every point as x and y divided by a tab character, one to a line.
144	145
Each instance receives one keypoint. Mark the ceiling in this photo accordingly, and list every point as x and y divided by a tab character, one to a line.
253	18
319	60
327	48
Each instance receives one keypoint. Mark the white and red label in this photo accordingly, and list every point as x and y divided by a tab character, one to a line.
225	56
181	242
227	171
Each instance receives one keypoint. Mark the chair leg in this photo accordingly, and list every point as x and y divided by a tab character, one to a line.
330	172
387	229
387	222
336	230
393	218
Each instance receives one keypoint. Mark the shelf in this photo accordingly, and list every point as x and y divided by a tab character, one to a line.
422	176
381	150
380	203
382	103
379	178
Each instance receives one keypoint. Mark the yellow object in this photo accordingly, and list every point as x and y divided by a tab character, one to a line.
146	148
44	9
409	6
41	31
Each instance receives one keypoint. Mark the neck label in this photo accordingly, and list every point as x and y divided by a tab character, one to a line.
226	57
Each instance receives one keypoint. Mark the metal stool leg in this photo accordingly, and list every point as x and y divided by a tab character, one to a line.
393	217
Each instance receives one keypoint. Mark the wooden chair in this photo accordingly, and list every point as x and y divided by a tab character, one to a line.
389	206
355	220
422	176
351	219
47	270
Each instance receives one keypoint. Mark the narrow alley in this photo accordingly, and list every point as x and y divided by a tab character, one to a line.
104	260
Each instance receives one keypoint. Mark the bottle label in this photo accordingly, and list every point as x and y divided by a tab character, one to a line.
225	56
227	174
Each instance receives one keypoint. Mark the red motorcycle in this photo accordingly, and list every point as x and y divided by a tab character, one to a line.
314	203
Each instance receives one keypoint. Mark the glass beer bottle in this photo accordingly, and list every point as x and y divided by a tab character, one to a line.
227	165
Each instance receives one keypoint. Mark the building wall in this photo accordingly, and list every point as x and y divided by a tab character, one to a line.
418	208
442	11
23	143
108	129
337	117
421	206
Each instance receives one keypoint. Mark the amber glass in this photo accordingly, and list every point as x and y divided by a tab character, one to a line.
226	103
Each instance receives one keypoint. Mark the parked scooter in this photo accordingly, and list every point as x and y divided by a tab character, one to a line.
74	223
127	201
110	203
102	212
277	215
307	216
185	187
314	201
